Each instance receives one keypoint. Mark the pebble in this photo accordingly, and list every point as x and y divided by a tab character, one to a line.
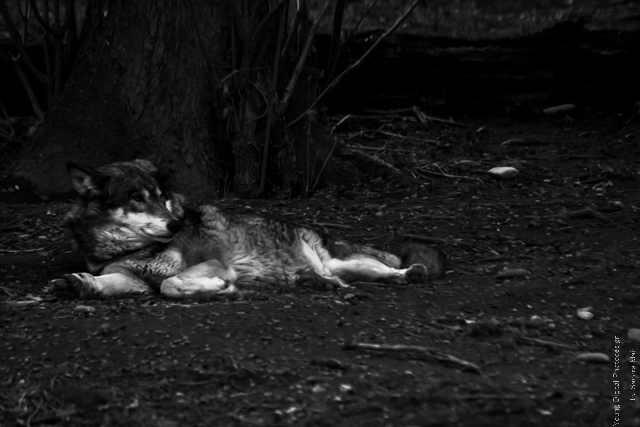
585	313
84	309
504	172
634	335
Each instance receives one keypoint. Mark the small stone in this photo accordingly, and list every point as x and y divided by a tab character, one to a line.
634	335
585	313
504	172
318	388
84	309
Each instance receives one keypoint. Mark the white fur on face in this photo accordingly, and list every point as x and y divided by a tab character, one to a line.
143	223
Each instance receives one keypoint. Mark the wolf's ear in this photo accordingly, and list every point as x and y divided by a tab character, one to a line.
84	180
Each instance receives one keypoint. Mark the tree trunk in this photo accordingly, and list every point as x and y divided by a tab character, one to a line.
189	84
144	84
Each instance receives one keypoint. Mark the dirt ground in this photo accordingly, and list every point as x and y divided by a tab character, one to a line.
529	327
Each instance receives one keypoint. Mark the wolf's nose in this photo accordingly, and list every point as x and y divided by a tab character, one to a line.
174	226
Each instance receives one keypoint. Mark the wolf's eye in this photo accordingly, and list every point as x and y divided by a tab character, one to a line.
137	197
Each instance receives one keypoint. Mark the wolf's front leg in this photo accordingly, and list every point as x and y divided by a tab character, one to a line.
207	278
86	286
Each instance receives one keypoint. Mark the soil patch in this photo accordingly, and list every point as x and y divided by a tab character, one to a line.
544	269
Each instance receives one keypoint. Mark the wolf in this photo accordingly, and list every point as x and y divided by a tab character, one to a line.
138	237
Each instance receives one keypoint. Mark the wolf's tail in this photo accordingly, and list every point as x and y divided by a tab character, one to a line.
433	259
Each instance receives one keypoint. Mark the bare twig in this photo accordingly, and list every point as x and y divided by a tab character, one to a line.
8	292
292	32
443	217
15	35
397	150
28	421
423	117
24	251
357	63
286	97
410	138
334	49
426	351
364	15
341	121
545	343
446	175
35	104
270	101
523	142
326	160
586	212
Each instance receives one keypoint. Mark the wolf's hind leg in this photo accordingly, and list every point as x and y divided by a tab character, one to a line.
87	286
364	268
207	278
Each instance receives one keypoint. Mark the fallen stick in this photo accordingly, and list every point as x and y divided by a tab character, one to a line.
444	217
398	150
446	175
410	138
523	142
423	119
579	213
428	352
545	343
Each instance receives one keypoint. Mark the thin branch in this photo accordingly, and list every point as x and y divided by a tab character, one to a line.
25	20
364	15
266	19
334	49
15	35
270	102
396	150
37	110
545	343
357	63
301	61
426	351
581	213
291	36
324	164
446	175
410	138
44	24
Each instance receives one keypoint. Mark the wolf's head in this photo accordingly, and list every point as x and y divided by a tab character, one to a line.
127	202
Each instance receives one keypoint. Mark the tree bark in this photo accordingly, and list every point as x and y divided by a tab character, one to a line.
144	84
190	85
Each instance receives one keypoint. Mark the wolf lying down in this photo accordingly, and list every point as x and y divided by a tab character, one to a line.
137	237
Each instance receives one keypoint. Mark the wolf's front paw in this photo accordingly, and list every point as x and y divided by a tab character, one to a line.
417	273
81	285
